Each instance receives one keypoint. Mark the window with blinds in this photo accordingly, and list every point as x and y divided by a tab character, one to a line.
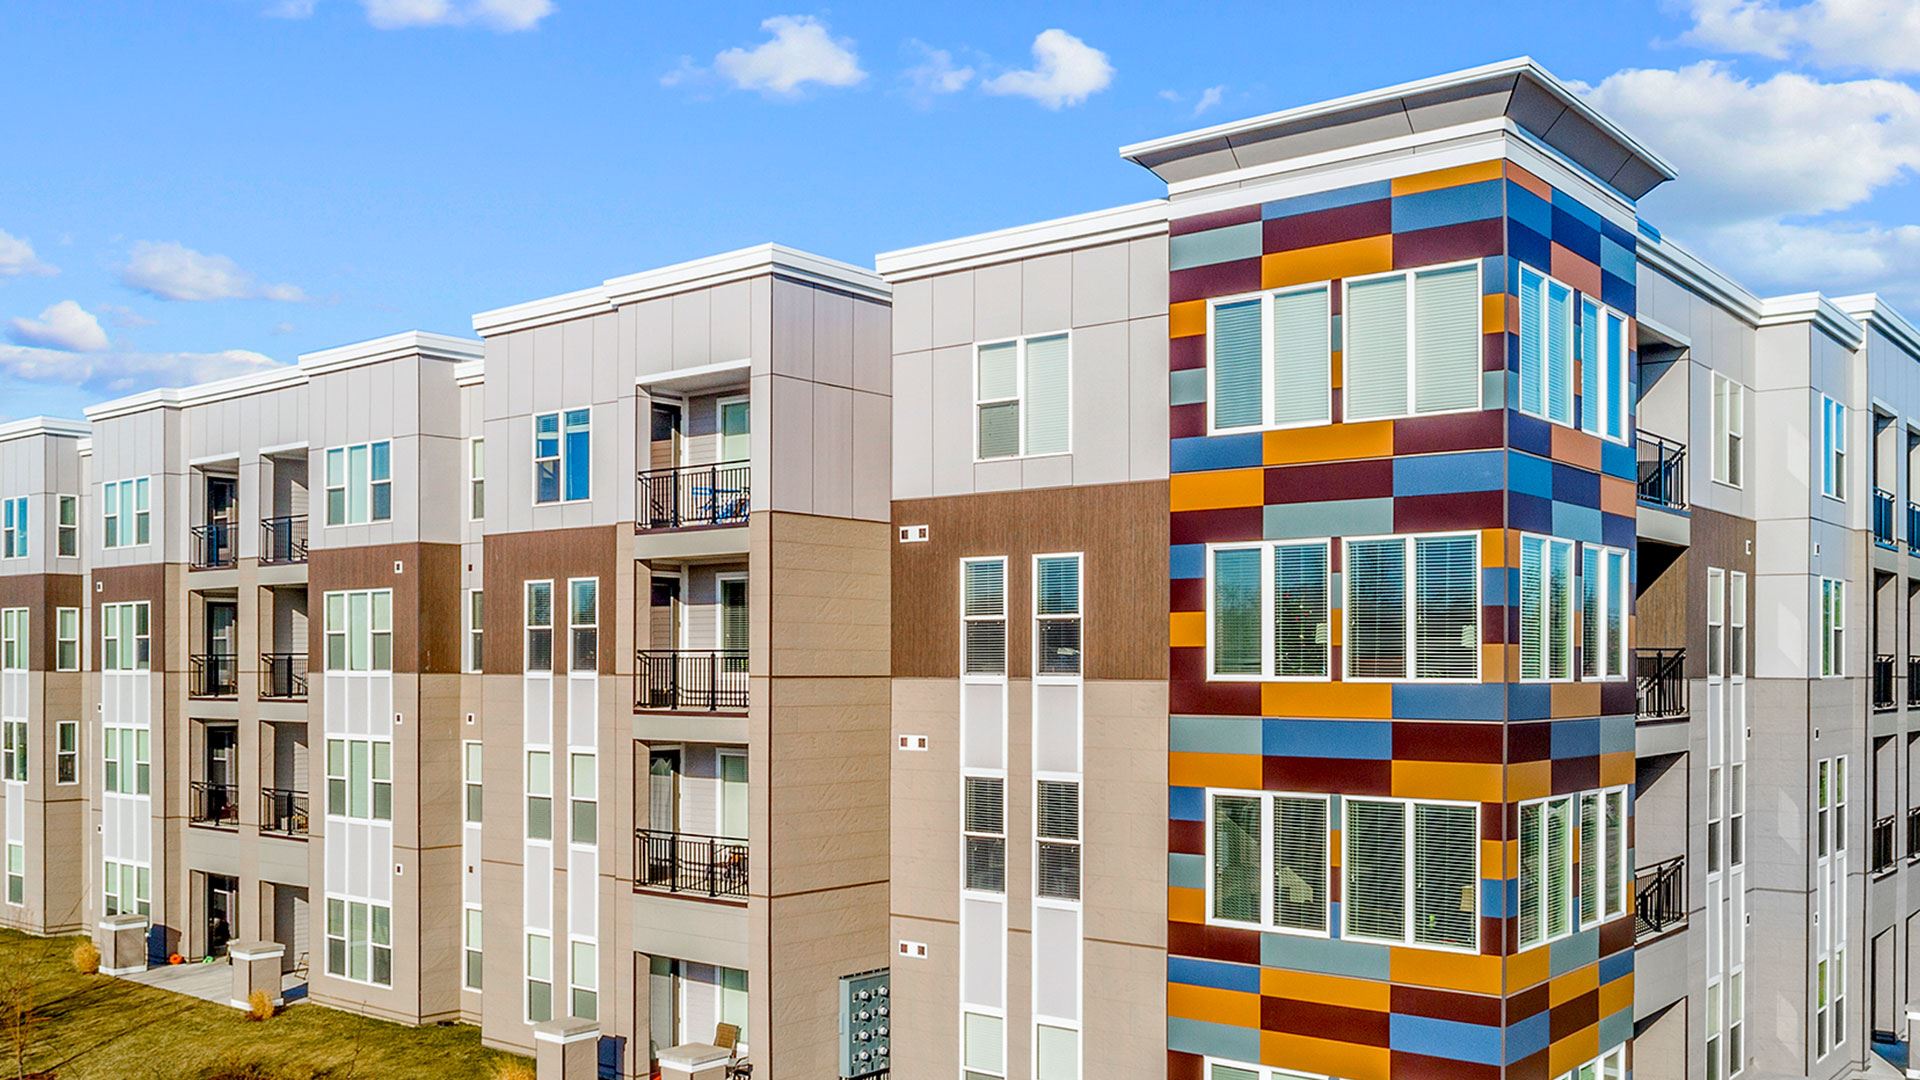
1833	627
1375	340
1411	872
1056	614
1268	860
1446	339
1056	828
1269	611
1604	379
1546	870
1546	618
1603	598
1446	875
1412	342
1413	607
1547	350
1270	360
983	609
1234	858
539	618
1023	397
985	811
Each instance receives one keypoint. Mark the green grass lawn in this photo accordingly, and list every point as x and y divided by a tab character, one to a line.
95	1026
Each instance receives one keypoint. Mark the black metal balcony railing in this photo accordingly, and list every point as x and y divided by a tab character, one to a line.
283	676
213	675
1663	474
1913	682
1883	696
692	680
283	811
1883	851
1913	832
212	804
694	495
1883	518
212	546
284	539
1913	527
676	862
1659	897
1661	675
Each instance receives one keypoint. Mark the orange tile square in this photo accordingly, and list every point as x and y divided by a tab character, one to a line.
1529	181
1528	968
1576	448
1444	970
1580	980
1618	496
1529	780
1575	270
1351	1061
1188	318
1216	490
1327	989
1208	1003
1337	442
1187	629
1213	770
1333	700
1576	699
1446	178
1323	262
1186	905
1463	781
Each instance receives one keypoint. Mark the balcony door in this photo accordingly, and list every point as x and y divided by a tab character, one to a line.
663	613
663	450
223	618
733	794
663	791
735	440
223	910
223	499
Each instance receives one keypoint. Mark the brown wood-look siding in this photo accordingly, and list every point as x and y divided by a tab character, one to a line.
513	559
40	594
426	600
1121	529
1724	541
125	584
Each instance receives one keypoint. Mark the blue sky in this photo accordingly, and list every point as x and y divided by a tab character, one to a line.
198	188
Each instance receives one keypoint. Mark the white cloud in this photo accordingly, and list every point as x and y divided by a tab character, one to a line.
801	51
291	9
65	326
1209	98
1065	72
502	15
937	73
1846	35
123	317
122	373
171	271
17	257
1767	169
684	72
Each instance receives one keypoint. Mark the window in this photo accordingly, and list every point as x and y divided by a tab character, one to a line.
1612	1065
476	630
1411	872
733	420
585	967
1546	608
1603	371
1223	1069
1021	400
1716	622
1603	612
563	456
1412	342
360	483
1546	870
582	791
1056	1053
539	795
1716	793
983	603
1737	620
1413	607
66	639
16	874
125	517
66	752
360	941
1267	861
125	888
1602	856
539	978
67	529
986	833
1270	616
539	626
13	639
360	779
474	943
359	630
476	479
983	1045
125	641
472	780
1056	615
13	751
1833	448
583	624
1729	429
1546	347
1057	829
13	528
1271	359
124	760
1736	815
1833	627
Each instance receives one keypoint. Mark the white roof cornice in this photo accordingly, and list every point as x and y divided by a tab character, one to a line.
1816	310
392	347
1130	222
1872	310
57	427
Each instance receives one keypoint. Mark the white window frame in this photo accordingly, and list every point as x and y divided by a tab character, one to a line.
473	637
1610	593
1020	343
1604	380
1545	283
1729	430
64	619
1833	444
66	543
575	800
1548	544
1409	580
528	626
347	637
1262	1072
111	493
529	981
15	639
1078	615
347	902
1406	939
720	428
992	1014
472	925
1831	652
64	758
1607	858
1736	638
1266	298
575	628
563	458
1002	618
529	772
16	873
14	529
476	479
1547	936
591	969
344	776
1266	924
125	654
345	485
1269	646
13	750
1413	346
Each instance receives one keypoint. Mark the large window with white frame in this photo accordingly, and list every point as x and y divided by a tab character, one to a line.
983	612
563	456
1268	864
1833	628
475	611
13	528
125	768
1605	384
67	526
473	947
1729	431
359	630
1546	347
66	752
539	627
360	779
1413	607
66	639
13	639
1056	614
984	805
359	941
583	970
1270	359
1604	599
583	787
126	643
583	625
539	962
1736	623
359	486
1411	342
1611	1065
1603	856
1410	872
125	517
1546	608
1023	397
125	888
1269	610
1057	839
476	479
1833	448
1546	870
16	873
13	751
539	798
983	1045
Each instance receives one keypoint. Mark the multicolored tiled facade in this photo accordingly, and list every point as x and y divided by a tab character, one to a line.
1352	1009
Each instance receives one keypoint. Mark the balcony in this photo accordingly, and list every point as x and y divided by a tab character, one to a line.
1883	519
1913	682
283	812
694	496
283	676
1663	476
213	675
1659	898
691	680
1883	682
212	804
1883	850
283	540
688	864
211	546
1661	678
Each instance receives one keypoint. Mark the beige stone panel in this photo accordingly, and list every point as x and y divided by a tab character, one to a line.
812	940
926	1000
925	819
1124	812
1124	1022
825	783
819	596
